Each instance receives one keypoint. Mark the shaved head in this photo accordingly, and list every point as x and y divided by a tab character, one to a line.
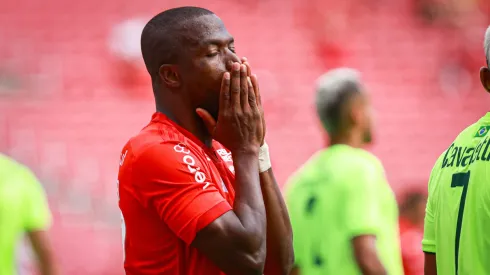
186	52
163	36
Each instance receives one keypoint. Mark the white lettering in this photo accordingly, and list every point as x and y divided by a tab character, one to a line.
180	148
226	156
200	177
189	160
123	156
123	232
192	169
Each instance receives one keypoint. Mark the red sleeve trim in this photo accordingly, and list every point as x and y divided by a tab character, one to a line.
210	216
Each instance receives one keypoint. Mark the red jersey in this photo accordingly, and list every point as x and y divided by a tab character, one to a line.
413	258
170	186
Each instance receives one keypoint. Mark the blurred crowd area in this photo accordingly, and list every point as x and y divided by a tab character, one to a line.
73	89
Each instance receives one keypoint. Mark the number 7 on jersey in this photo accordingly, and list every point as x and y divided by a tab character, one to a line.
459	180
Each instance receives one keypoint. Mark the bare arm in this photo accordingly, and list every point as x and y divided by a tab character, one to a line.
430	267
366	255
295	271
280	254
44	253
236	241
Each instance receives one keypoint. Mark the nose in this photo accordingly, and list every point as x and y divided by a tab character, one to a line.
230	59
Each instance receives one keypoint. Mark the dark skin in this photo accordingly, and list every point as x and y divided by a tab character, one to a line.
280	255
44	252
365	253
212	95
430	266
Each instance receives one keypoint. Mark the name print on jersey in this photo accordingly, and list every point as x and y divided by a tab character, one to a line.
462	156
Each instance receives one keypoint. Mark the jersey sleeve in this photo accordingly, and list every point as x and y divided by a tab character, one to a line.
361	207
429	240
37	215
173	180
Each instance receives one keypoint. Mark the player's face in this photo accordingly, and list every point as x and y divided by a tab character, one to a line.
211	54
367	120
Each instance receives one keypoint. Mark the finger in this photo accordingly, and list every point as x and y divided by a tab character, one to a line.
244	87
249	69
224	99
252	99
245	62
235	86
208	120
256	89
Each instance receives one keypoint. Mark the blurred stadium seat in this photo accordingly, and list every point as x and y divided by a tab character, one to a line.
70	120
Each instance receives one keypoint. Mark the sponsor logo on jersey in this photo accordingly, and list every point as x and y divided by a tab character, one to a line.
225	155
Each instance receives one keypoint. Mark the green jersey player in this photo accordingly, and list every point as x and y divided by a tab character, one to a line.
457	220
342	209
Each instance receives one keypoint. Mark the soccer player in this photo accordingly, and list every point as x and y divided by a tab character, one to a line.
197	192
344	213
23	210
457	218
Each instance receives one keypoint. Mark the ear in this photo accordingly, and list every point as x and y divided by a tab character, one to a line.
169	75
356	109
485	78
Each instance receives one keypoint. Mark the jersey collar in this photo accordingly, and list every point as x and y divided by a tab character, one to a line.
485	118
162	118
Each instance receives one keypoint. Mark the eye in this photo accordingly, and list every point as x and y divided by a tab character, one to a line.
231	46
212	54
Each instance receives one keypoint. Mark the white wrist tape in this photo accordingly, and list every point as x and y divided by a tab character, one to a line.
264	159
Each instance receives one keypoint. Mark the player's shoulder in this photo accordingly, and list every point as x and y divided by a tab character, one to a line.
465	145
154	133
307	170
14	168
17	173
363	159
468	133
9	162
162	146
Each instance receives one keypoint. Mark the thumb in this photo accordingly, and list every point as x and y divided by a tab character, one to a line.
208	120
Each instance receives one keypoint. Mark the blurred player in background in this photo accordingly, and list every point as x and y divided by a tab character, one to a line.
412	211
197	192
23	210
344	213
457	218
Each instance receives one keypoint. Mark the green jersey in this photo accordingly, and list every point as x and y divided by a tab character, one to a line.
457	219
23	208
341	193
